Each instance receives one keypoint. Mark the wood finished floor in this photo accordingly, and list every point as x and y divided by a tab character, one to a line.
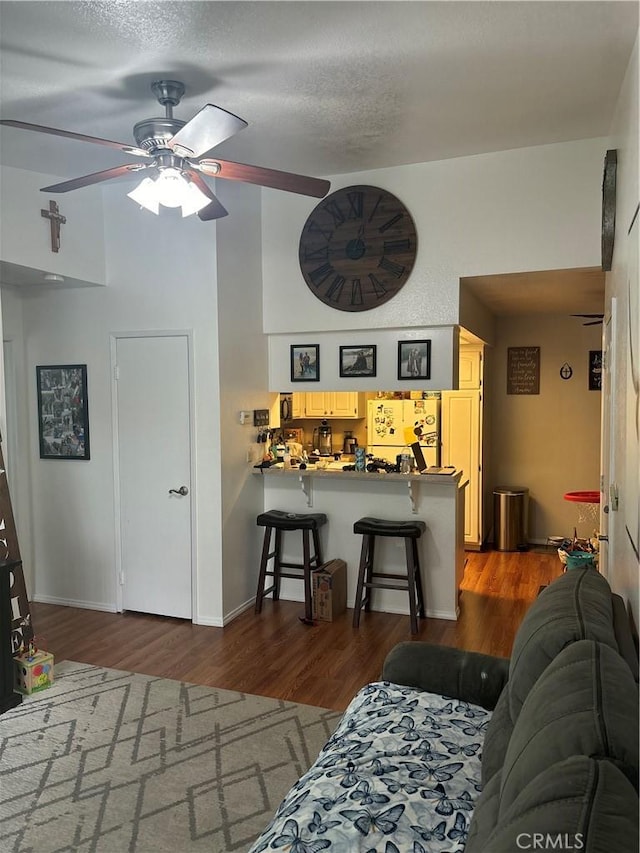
273	654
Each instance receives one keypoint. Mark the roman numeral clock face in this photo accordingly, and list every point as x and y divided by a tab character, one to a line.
357	248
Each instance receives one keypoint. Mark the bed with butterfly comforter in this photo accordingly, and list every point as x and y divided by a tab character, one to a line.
455	750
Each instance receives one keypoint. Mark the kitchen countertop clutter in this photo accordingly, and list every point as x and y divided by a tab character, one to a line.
332	469
306	477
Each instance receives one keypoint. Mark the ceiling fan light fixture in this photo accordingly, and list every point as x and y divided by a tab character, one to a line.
170	189
146	196
194	200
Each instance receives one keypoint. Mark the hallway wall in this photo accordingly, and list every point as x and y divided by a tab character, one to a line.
547	442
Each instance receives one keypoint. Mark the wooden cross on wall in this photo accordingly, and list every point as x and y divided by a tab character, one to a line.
56	219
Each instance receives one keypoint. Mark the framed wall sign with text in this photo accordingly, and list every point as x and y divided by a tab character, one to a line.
523	370
595	370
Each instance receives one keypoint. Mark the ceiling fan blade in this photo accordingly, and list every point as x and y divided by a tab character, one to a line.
214	210
593	323
95	178
208	128
287	181
80	137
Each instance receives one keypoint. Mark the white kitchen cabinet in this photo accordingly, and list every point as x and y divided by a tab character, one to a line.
334	404
470	366
461	424
347	404
315	404
297	404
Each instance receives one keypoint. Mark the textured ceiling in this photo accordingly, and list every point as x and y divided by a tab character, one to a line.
326	87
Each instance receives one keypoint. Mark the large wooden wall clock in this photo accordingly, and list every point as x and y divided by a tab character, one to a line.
357	248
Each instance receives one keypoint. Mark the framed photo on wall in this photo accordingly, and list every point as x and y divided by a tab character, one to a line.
63	413
305	363
358	360
414	359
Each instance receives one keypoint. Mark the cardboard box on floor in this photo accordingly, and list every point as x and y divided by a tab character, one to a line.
329	583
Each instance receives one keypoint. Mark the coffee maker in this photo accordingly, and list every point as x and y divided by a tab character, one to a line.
322	440
350	443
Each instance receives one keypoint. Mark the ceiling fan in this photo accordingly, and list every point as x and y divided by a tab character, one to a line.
173	151
594	319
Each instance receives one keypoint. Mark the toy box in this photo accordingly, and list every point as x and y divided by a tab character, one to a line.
33	672
329	584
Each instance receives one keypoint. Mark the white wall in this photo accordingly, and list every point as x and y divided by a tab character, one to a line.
511	211
443	353
243	387
622	283
547	442
161	274
25	236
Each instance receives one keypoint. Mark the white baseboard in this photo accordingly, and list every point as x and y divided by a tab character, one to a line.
452	615
402	611
70	602
209	623
217	622
233	614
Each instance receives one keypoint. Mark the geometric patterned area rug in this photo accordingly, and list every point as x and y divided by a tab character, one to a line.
106	761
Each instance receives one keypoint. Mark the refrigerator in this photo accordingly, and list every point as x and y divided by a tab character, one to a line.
395	424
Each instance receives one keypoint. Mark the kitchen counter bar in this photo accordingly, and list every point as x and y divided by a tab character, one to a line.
304	476
443	479
346	496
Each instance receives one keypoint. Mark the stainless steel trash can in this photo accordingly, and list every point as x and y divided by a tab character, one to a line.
510	519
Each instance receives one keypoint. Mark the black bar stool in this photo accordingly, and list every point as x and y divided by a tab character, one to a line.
280	521
410	531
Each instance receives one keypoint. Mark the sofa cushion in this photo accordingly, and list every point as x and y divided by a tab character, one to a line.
575	606
496	739
585	703
485	815
578	804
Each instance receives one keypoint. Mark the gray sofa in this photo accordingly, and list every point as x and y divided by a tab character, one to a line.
456	751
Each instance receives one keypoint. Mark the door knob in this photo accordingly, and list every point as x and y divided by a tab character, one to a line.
183	490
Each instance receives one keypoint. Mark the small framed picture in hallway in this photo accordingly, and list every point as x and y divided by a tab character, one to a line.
63	414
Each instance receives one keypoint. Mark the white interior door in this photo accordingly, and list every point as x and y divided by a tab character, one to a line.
461	443
152	394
